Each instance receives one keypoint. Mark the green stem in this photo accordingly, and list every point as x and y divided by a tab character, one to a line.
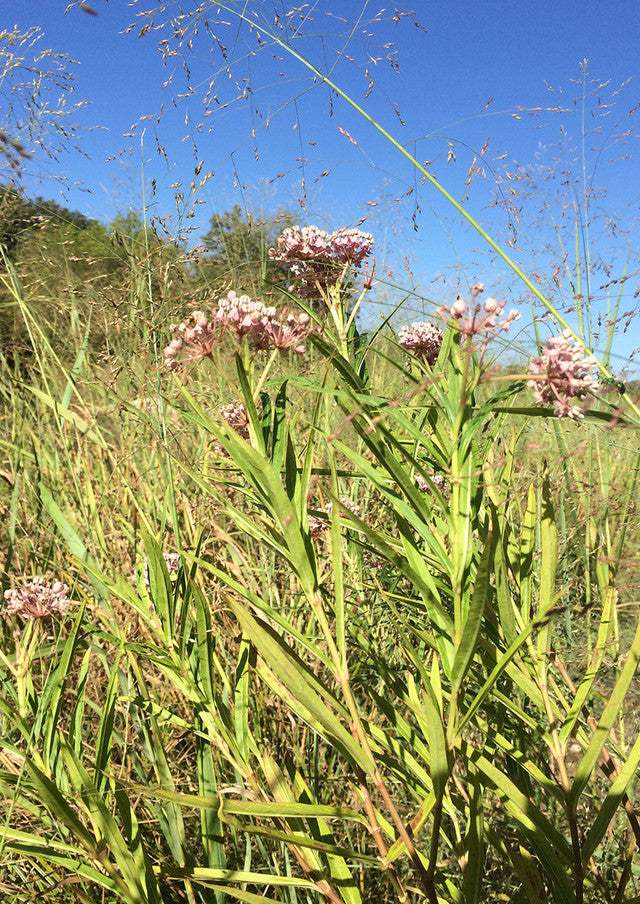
265	373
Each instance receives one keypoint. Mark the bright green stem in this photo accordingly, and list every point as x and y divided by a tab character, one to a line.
335	303
265	373
460	520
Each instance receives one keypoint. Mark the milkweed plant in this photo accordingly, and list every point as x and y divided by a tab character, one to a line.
400	722
355	687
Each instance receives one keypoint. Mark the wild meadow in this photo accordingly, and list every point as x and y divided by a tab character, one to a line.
300	611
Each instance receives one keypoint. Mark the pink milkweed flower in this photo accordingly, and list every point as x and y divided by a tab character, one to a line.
288	332
171	560
236	416
243	318
318	525
37	599
263	326
317	259
481	319
437	480
195	337
242	315
422	339
563	373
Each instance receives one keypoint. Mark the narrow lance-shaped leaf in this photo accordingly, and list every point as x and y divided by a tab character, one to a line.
468	642
610	713
300	685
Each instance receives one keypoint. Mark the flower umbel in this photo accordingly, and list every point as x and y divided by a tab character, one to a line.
422	339
37	599
438	480
481	319
236	416
563	373
317	259
196	337
246	320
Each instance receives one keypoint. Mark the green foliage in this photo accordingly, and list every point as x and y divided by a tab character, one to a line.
236	255
81	281
21	216
347	715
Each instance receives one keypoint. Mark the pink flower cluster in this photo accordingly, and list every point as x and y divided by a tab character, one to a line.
317	259
480	320
422	339
235	415
437	479
563	373
246	319
194	338
318	525
171	560
37	599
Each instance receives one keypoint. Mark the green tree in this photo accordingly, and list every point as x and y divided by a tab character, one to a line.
21	217
236	251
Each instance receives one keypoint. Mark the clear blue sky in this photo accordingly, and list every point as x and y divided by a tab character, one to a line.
500	75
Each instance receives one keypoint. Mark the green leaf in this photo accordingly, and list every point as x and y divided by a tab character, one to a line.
598	652
250	407
104	741
474	842
303	691
548	563
34	847
130	858
215	876
438	752
611	711
160	588
247	896
612	801
241	699
506	607
72	539
550	845
50	702
479	599
151	736
279	430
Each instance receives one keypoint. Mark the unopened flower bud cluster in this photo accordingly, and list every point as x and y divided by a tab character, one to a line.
422	339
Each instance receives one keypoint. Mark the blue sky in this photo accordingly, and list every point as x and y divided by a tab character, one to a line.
501	76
